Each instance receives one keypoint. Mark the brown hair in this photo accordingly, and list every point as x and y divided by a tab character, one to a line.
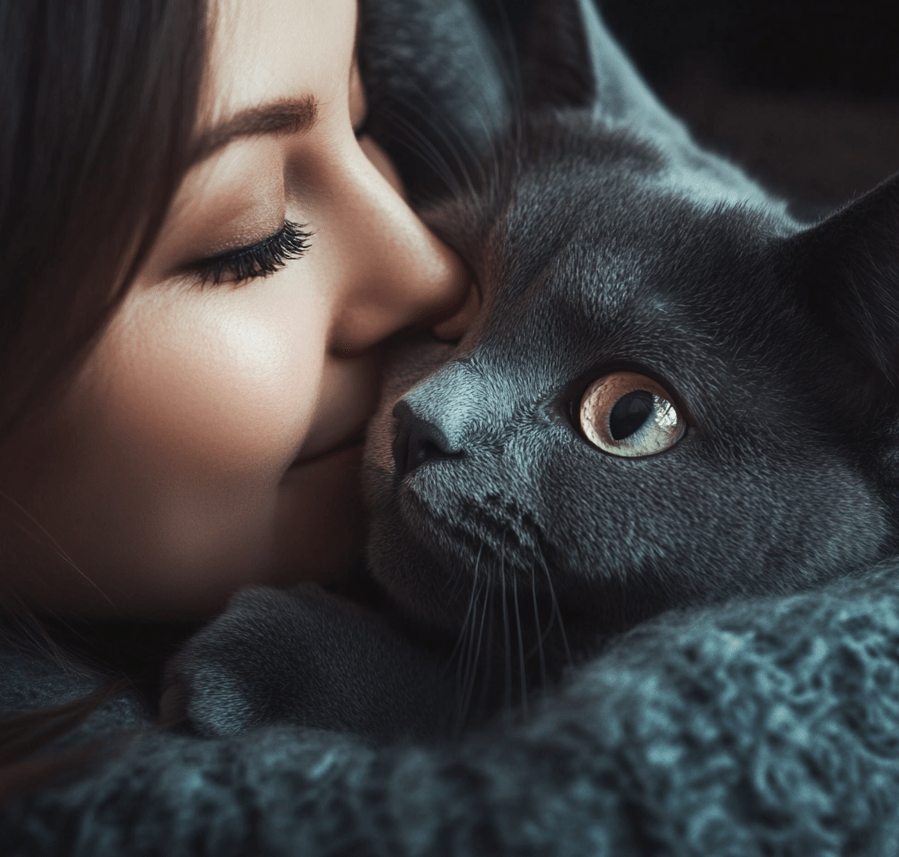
99	100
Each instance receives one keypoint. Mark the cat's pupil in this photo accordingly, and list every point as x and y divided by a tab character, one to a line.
629	413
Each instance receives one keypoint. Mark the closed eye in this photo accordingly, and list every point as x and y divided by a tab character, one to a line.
261	259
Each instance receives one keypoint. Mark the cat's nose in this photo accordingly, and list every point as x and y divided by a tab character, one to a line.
418	440
442	416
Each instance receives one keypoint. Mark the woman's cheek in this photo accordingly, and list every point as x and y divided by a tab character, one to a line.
222	384
167	489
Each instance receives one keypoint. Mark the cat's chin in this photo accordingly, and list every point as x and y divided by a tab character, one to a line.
404	564
459	594
446	577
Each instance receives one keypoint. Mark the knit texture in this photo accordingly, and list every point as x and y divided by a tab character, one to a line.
763	727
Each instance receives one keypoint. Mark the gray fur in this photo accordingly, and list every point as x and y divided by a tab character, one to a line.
435	86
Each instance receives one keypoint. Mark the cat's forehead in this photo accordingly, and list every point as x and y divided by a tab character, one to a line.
581	193
612	232
608	250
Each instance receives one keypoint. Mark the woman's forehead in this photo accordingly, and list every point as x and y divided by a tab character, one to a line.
266	52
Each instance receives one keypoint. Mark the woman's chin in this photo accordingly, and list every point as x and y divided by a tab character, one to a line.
320	527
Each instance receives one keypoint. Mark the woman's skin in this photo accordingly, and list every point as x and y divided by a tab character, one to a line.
212	439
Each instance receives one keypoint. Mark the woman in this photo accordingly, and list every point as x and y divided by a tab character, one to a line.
209	435
202	253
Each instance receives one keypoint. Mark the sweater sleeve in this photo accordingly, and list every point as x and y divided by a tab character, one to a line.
762	727
32	681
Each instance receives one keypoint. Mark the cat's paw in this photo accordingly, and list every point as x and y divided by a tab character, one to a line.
303	657
220	682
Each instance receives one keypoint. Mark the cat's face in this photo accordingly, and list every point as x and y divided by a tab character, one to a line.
493	472
674	393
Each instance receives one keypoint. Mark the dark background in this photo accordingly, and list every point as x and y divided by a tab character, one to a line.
804	94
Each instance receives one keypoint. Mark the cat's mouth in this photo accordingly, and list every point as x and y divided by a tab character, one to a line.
459	540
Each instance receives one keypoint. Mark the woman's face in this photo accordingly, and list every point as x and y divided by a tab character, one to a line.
212	439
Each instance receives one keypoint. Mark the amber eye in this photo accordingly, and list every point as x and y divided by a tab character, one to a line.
631	415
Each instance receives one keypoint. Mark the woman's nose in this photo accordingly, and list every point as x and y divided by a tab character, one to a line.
395	272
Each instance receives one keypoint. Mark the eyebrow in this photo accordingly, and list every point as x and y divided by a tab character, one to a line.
288	116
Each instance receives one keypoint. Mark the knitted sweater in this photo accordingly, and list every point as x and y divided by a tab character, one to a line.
760	727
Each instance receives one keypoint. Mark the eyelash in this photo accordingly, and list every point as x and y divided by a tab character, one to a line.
261	259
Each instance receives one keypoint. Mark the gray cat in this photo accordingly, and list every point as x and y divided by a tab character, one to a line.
675	396
633	588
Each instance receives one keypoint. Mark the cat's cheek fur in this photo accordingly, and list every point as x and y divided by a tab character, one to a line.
649	535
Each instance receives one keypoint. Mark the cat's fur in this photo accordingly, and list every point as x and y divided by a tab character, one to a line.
603	239
758	714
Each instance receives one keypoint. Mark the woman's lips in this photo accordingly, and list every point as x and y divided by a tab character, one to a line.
357	439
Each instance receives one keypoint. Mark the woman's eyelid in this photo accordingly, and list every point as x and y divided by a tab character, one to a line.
238	245
240	259
258	259
241	231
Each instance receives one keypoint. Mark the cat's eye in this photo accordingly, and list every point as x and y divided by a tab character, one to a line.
627	414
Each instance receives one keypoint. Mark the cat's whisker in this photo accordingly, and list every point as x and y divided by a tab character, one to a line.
464	646
458	137
459	653
523	676
422	146
468	611
462	676
484	665
476	572
432	156
456	580
507	655
477	649
429	152
556	611
487	607
541	635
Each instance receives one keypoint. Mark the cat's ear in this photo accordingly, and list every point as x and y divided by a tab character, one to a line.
569	58
849	273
